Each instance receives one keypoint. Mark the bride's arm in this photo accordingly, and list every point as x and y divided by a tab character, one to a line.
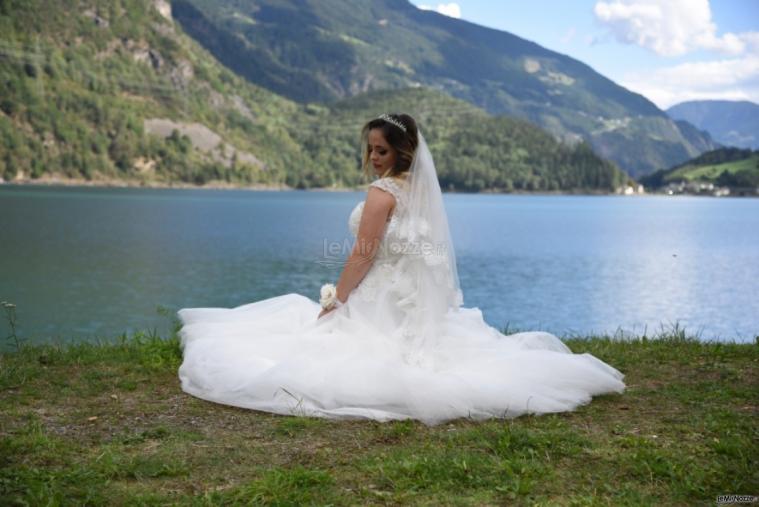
379	204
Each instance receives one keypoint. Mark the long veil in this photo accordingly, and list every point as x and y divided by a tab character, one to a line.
428	239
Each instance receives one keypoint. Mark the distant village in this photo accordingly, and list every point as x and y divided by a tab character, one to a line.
691	188
706	188
696	188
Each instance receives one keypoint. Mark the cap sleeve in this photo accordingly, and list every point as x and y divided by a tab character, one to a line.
391	186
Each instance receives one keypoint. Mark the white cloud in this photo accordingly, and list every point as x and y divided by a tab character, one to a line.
752	42
668	27
728	79
451	9
674	28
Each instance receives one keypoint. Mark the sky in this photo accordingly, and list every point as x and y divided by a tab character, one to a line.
670	51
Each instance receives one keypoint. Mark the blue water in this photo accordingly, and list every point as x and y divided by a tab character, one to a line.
84	263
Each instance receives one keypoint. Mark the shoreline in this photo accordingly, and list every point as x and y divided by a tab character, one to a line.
74	182
69	182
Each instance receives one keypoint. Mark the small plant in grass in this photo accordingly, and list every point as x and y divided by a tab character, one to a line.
10	315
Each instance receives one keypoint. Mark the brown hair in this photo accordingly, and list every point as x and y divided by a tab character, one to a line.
404	143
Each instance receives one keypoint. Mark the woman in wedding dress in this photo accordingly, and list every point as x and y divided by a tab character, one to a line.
392	340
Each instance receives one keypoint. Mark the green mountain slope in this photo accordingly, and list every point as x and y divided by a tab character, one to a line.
116	92
728	167
733	123
321	51
84	85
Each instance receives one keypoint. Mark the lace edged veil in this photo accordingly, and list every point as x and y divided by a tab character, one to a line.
429	242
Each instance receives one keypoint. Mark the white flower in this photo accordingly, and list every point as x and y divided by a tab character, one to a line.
328	295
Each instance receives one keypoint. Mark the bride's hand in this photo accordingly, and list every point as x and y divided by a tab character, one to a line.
325	312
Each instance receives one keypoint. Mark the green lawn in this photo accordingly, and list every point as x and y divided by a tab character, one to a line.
711	172
108	424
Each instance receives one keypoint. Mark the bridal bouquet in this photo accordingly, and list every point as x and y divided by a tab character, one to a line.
328	297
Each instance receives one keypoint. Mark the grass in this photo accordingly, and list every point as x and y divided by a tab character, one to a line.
712	171
91	424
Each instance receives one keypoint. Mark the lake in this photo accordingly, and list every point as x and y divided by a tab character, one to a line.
84	263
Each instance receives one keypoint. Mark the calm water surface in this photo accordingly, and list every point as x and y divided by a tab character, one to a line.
82	263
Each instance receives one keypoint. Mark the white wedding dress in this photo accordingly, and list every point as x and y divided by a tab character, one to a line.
364	359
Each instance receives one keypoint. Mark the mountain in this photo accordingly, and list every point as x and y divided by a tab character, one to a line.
116	92
727	167
733	123
327	50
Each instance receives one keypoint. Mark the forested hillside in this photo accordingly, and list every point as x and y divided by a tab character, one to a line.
81	83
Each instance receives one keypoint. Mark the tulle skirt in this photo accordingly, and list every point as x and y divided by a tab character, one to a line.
274	355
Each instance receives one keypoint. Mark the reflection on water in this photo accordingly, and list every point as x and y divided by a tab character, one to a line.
95	262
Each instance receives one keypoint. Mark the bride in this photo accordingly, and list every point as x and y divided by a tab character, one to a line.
391	340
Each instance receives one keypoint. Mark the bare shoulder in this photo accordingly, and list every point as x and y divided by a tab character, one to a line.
379	199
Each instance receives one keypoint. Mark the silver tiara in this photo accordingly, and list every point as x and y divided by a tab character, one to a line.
390	119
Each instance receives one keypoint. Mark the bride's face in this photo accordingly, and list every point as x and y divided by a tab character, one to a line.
381	154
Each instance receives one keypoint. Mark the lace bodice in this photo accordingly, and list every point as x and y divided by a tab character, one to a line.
399	190
385	268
